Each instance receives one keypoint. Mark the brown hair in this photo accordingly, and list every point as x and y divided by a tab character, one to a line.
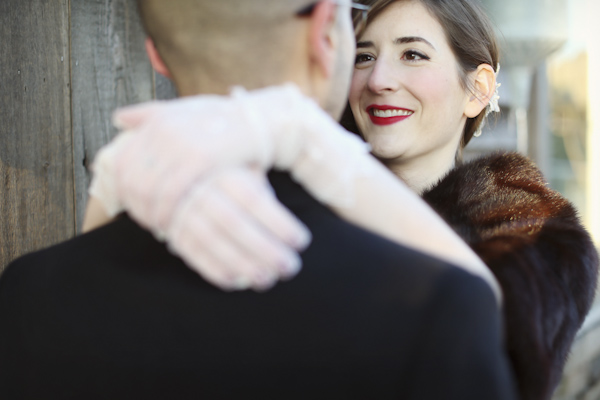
470	35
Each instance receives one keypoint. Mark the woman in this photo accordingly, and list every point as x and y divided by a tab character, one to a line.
528	235
425	71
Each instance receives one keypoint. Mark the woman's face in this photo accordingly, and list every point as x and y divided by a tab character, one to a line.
406	94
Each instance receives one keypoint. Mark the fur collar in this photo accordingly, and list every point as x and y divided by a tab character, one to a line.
532	240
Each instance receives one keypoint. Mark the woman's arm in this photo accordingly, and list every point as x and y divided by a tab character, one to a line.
386	206
95	215
229	227
332	164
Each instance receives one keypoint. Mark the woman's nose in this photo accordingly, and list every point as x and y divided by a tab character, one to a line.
383	78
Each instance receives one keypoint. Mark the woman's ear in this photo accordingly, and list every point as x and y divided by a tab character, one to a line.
321	42
156	60
484	87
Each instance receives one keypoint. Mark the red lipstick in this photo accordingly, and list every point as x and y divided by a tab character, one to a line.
397	114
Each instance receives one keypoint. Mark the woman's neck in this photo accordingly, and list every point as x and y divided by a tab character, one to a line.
421	173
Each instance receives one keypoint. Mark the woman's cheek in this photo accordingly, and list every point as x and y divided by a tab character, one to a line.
428	87
357	86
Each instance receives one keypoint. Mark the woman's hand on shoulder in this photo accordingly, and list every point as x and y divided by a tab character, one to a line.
223	220
231	229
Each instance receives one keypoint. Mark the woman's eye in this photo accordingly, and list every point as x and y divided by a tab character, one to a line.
363	58
412	55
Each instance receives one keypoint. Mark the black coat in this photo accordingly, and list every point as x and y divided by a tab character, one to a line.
112	315
532	240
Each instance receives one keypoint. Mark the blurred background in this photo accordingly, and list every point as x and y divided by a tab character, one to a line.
551	111
548	96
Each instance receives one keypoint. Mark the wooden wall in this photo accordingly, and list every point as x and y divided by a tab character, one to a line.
65	65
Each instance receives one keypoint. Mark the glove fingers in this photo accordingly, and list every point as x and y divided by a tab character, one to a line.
131	117
203	249
273	258
253	194
208	222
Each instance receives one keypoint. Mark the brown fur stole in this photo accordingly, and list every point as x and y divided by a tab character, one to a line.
532	240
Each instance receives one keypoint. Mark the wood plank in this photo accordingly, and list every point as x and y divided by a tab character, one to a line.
164	88
36	189
109	70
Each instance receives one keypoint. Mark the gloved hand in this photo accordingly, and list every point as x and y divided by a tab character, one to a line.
159	169
231	229
181	140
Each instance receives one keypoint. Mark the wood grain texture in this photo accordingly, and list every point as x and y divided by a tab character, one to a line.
65	66
163	88
109	70
36	189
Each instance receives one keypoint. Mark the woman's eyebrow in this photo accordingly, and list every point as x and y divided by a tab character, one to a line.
400	40
413	39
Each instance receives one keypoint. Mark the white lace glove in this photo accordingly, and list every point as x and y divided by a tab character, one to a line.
180	141
229	227
162	171
224	229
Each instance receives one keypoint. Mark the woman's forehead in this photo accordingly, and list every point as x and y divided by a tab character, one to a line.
405	19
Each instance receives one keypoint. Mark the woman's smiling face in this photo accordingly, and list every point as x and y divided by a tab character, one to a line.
406	94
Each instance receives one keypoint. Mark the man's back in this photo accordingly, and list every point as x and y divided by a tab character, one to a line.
112	314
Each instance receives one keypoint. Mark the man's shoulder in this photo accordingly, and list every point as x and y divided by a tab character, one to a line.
365	300
342	257
353	253
460	341
121	243
458	291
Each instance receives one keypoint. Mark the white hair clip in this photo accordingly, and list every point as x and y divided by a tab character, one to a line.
492	106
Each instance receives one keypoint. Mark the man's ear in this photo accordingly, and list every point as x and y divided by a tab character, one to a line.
156	60
322	45
484	86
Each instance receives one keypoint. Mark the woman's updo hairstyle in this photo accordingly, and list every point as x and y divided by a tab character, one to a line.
471	37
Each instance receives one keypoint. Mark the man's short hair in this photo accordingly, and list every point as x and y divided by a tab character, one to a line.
238	38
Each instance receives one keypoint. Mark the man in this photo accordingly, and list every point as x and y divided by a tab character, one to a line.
112	314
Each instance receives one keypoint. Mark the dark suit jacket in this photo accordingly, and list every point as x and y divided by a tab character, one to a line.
112	314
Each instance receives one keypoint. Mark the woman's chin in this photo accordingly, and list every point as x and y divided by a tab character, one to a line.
388	157
387	150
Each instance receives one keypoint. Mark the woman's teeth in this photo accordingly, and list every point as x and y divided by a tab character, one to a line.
391	113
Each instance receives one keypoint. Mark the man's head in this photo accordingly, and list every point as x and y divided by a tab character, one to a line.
208	46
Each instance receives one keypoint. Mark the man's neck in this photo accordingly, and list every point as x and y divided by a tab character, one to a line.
198	82
189	87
